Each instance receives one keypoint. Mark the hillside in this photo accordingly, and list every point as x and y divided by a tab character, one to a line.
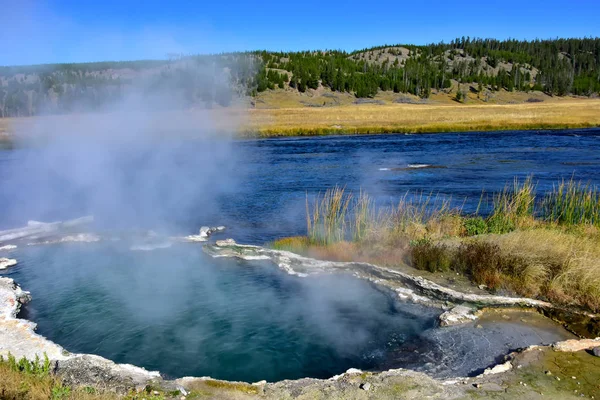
463	70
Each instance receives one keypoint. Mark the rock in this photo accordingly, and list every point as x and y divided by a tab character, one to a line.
196	238
457	315
596	351
7	262
548	373
498	369
573	345
204	233
365	386
95	371
225	243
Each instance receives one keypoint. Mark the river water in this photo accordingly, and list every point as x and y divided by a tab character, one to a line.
176	310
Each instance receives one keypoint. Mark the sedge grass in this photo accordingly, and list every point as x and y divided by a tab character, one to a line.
572	203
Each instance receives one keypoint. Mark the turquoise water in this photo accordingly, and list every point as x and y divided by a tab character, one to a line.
181	312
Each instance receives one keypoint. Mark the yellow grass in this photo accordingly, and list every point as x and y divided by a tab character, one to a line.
566	263
417	118
293	118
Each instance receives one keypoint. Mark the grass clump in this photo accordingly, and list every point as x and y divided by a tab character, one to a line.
327	222
513	205
431	257
34	379
572	203
294	244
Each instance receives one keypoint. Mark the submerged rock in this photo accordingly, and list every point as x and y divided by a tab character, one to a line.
38	230
204	233
78	238
596	351
458	315
7	262
498	369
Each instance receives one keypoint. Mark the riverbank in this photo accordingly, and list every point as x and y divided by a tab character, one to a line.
380	116
543	246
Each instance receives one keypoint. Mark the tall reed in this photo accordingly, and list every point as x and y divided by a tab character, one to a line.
511	205
339	215
327	222
572	203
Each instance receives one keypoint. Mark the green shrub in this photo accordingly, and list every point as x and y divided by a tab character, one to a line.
36	367
60	392
475	226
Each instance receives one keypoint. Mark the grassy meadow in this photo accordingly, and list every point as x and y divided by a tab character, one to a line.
544	246
422	118
280	113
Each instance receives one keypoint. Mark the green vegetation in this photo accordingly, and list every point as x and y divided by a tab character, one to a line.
545	246
557	67
24	379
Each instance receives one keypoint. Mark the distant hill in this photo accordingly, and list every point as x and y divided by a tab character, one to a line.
556	67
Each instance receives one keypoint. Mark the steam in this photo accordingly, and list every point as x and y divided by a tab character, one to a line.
159	153
148	159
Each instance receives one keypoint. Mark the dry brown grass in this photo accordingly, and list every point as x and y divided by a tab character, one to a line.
411	118
560	265
292	118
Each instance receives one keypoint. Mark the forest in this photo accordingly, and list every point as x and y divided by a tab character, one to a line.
557	67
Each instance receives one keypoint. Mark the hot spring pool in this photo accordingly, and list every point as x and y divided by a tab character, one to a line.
184	313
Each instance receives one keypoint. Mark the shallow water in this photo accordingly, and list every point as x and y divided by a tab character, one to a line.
178	311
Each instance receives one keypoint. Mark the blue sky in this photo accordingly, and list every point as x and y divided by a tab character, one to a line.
33	32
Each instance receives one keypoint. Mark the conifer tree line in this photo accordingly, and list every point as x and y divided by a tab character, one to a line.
556	67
